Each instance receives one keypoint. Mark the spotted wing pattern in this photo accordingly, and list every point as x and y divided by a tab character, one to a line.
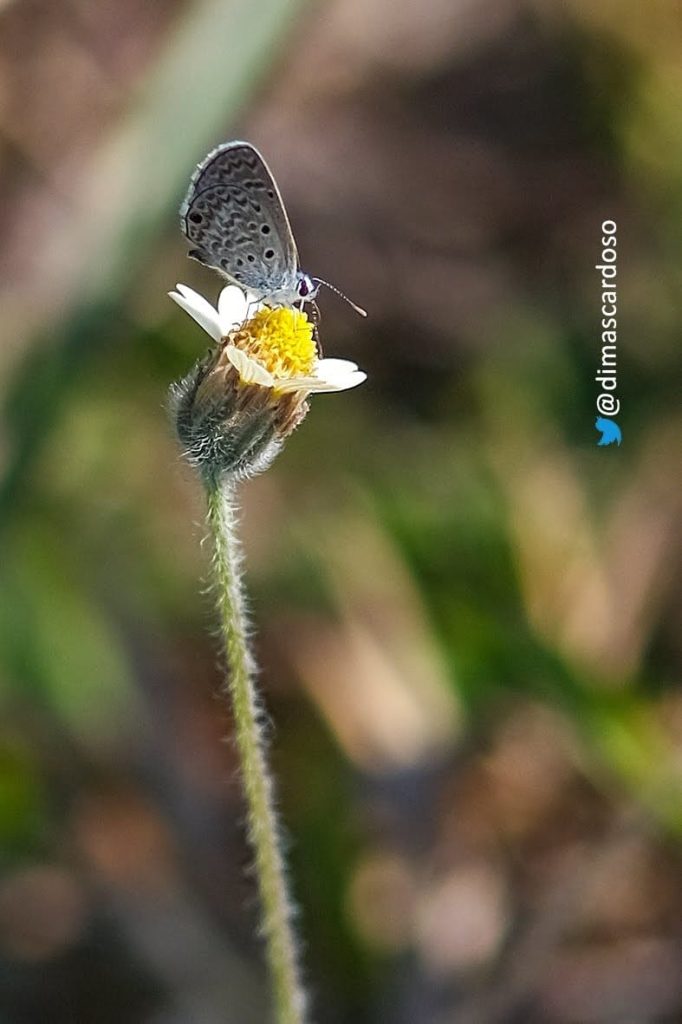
235	221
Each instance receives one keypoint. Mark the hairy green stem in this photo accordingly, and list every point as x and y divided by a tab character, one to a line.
281	947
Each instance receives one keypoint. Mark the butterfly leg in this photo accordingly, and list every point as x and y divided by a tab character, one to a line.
316	318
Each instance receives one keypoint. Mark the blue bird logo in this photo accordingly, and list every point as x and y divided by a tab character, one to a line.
609	429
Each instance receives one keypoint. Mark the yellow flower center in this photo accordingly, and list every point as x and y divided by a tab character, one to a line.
281	340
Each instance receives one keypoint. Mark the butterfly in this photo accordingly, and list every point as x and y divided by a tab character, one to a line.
235	221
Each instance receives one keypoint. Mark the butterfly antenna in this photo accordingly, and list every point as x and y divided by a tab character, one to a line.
358	309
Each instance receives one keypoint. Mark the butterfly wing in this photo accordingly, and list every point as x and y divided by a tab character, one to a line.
235	221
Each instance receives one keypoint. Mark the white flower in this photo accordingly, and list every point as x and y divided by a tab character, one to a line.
274	342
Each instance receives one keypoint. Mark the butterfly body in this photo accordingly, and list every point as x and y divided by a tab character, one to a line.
234	219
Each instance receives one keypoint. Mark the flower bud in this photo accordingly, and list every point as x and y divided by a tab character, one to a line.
228	426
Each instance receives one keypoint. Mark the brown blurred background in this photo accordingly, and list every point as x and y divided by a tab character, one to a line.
468	614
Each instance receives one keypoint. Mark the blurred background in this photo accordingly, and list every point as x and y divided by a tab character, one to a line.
468	614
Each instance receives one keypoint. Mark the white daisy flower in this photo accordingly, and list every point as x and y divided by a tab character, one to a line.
274	348
236	407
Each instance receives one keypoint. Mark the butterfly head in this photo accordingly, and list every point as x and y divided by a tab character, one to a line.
306	288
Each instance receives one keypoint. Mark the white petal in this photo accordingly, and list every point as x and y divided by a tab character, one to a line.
198	308
329	368
296	384
196	300
248	369
341	382
232	305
